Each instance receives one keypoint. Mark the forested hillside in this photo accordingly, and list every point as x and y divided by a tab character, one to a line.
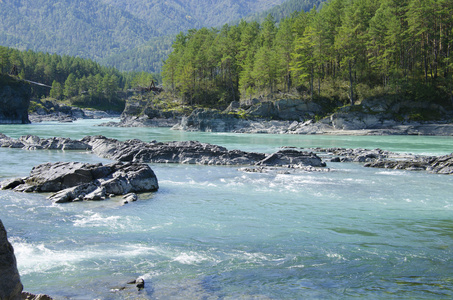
130	35
149	57
348	51
285	10
77	81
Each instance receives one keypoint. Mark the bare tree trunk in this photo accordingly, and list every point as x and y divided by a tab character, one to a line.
311	83
351	82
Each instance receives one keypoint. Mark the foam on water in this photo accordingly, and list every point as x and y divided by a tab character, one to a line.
98	220
215	232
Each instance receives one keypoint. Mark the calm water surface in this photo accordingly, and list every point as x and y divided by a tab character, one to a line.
215	232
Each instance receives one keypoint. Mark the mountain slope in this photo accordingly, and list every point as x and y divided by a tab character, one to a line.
86	28
99	28
128	34
285	9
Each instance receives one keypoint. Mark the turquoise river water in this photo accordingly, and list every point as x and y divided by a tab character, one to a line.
215	232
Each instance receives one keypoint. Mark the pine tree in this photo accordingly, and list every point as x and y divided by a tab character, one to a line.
56	91
70	86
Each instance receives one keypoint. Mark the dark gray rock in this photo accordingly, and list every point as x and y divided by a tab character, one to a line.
32	142
288	157
186	152
437	165
211	120
139	283
74	181
14	101
30	296
10	284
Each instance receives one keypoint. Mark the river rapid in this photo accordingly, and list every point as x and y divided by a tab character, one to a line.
215	232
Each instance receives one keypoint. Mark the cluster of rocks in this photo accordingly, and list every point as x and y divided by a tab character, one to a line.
378	158
185	152
437	165
74	181
53	111
33	142
193	152
262	116
142	113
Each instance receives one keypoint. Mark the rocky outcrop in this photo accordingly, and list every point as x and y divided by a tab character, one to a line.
253	116
437	165
30	296
378	158
187	152
14	101
211	120
193	152
54	111
142	113
383	116
74	181
10	284
33	142
286	109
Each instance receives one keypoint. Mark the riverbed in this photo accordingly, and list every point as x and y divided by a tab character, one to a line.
216	232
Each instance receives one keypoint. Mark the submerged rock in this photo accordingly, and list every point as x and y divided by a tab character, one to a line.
74	181
139	283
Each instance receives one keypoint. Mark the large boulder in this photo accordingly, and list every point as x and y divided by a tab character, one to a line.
72	181
14	101
10	285
292	157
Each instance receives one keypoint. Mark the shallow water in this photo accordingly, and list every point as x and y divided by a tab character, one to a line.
215	232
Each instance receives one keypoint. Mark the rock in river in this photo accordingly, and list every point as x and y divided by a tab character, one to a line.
10	285
185	152
73	181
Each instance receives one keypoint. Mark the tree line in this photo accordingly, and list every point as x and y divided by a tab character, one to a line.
81	81
348	50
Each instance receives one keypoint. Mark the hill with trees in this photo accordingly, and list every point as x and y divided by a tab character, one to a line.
284	10
347	51
130	35
73	80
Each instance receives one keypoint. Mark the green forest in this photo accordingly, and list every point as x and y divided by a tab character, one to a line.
77	81
134	35
347	50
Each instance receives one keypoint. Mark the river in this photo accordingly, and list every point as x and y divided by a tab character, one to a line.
215	232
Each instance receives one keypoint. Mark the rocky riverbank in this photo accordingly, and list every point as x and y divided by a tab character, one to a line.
298	116
44	111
